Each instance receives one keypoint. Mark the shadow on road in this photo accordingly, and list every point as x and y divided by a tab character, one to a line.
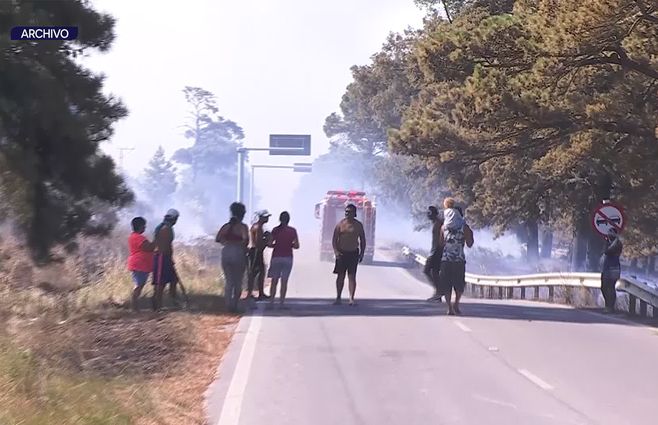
395	264
417	308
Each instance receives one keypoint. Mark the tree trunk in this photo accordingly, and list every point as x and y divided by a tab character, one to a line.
579	251
595	246
546	243
651	265
533	241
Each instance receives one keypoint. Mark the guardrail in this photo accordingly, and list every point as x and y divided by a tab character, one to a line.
571	288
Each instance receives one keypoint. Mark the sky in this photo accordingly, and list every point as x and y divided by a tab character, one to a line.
275	66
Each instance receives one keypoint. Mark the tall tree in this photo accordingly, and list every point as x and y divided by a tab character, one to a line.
160	179
544	100
208	183
53	118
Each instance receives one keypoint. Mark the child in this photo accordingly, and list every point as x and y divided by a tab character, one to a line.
140	260
452	216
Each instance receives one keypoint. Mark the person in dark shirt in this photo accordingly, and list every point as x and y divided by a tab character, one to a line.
433	263
611	269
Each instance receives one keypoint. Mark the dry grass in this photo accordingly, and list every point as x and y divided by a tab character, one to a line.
71	351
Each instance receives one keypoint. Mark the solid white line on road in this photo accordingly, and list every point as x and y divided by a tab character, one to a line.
232	406
536	380
462	326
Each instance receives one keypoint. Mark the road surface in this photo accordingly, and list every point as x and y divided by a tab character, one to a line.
396	359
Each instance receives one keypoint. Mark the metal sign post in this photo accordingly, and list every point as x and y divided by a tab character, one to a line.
280	144
294	167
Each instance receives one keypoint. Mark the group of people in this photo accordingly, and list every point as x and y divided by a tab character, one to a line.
446	264
243	253
155	258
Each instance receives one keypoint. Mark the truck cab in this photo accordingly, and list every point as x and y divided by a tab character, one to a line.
332	209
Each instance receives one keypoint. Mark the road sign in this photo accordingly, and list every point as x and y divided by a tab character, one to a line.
302	167
297	144
608	216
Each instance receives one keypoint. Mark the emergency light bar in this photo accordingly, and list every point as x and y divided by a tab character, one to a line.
346	193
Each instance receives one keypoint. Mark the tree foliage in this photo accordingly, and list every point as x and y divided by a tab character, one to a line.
541	112
208	183
160	179
54	180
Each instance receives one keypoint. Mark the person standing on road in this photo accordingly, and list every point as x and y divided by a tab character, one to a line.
234	236
349	244
433	263
164	270
284	240
256	261
455	233
611	269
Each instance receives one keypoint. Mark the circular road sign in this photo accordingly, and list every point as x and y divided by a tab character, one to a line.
608	216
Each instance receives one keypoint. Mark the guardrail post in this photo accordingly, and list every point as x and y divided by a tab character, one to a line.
643	308
551	294
510	293
481	291
500	293
632	301
536	293
523	292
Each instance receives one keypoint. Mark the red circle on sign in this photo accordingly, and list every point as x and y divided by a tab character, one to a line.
597	211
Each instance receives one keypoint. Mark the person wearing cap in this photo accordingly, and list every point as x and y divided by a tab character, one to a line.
433	263
259	240
611	269
164	270
349	243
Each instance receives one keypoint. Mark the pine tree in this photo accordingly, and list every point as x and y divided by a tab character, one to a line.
53	118
160	179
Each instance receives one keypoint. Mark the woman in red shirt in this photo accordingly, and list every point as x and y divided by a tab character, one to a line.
284	240
140	260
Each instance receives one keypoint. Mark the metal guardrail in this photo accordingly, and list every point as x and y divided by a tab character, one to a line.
642	298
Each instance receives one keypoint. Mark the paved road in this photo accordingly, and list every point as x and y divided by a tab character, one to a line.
398	360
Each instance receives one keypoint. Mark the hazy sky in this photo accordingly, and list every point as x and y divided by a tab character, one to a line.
278	66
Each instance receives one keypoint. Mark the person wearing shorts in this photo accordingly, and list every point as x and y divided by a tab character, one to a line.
455	233
164	270
140	259
284	241
349	243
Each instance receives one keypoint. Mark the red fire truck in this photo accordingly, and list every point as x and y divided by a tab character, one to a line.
332	209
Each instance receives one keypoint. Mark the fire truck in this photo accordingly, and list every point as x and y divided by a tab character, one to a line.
332	209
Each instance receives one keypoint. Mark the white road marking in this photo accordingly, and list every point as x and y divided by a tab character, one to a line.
536	380
462	326
494	401
232	406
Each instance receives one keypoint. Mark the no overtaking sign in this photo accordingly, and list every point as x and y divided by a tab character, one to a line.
608	216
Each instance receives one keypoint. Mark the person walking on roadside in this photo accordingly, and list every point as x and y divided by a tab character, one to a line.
256	250
349	244
433	264
234	236
164	269
611	269
455	233
140	260
284	241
